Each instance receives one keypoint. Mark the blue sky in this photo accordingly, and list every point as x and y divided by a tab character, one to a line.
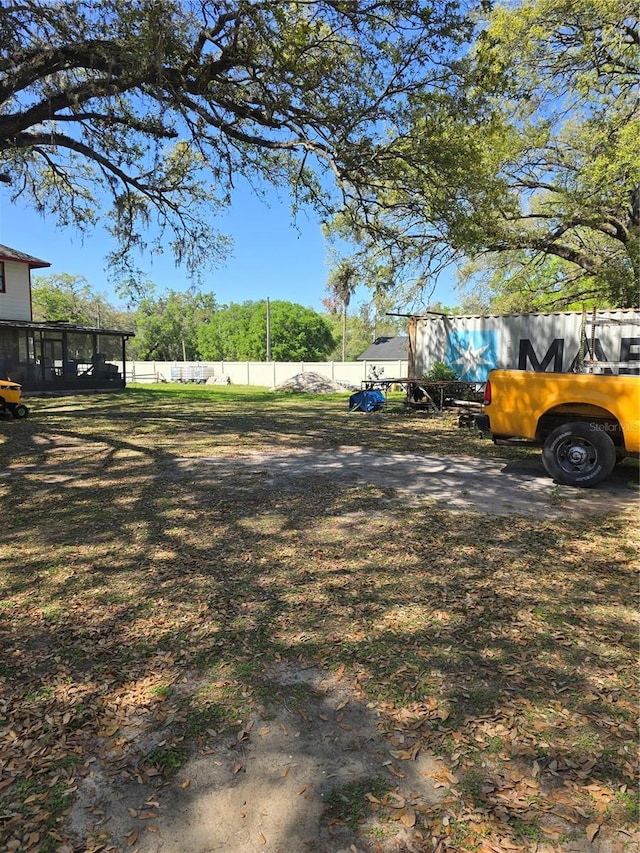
271	257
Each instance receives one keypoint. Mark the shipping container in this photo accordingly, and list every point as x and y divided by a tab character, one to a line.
560	342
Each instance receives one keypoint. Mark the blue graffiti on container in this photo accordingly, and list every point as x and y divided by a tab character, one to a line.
472	354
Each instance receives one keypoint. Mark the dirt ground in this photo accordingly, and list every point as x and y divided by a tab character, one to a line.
267	788
495	486
275	783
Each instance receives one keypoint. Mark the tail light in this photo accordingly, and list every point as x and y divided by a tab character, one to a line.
487	393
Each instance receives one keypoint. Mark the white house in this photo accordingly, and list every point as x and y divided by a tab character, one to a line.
15	283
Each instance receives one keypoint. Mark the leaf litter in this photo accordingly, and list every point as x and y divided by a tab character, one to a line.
488	673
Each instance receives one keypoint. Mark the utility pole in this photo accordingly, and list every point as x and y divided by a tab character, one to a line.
268	330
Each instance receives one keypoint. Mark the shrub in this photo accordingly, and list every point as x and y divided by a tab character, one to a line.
441	372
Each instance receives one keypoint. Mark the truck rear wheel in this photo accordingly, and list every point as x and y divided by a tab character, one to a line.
578	454
19	411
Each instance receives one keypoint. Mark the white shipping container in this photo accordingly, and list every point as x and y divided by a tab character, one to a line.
557	343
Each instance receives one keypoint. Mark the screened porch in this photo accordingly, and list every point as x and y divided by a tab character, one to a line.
61	356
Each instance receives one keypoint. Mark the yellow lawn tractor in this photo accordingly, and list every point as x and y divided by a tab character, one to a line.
11	399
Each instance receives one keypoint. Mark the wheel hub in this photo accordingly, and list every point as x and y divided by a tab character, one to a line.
577	454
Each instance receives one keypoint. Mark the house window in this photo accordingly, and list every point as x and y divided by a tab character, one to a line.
3	288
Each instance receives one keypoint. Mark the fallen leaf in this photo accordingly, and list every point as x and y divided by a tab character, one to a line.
506	844
443	777
408	819
553	832
261	838
592	830
395	772
132	837
185	784
284	772
404	754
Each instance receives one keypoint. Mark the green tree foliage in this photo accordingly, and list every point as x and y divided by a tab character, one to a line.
167	326
297	333
239	333
512	282
537	156
63	297
570	68
71	298
143	112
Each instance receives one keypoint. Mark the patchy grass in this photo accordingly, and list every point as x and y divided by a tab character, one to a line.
141	602
168	760
209	420
352	802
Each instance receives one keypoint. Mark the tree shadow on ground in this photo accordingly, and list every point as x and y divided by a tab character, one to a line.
138	601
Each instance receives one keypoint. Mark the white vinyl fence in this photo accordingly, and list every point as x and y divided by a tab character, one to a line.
265	374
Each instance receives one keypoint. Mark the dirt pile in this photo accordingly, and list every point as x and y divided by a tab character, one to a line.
313	383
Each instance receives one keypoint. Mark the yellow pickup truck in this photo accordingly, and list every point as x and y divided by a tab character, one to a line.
584	422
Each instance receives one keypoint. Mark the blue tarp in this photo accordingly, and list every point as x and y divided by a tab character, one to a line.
366	401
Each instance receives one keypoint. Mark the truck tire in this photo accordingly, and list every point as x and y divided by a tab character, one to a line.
19	411
578	454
